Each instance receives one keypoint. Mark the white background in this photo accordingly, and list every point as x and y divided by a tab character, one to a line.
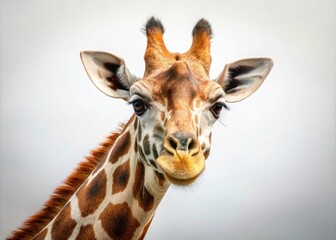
272	171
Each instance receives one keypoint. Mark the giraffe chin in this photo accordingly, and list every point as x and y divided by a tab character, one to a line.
181	169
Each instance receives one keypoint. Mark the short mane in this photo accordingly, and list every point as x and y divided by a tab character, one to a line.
63	193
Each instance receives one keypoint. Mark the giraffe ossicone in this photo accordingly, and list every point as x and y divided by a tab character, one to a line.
114	193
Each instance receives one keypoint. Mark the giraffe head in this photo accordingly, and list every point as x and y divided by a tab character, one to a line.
175	102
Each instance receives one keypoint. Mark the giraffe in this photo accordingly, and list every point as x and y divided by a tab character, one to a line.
114	193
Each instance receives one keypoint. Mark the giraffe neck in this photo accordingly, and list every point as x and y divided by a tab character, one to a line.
118	199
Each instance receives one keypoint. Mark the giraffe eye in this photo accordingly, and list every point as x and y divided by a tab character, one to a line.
216	109
139	106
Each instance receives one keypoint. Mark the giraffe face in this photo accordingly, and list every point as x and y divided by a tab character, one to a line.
176	110
176	103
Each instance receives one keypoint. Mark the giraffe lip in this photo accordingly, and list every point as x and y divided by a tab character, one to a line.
180	182
181	169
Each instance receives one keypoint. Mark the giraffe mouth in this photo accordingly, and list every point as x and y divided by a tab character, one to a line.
180	182
181	168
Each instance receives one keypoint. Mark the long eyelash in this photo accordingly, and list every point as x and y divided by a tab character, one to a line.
148	105
219	119
226	106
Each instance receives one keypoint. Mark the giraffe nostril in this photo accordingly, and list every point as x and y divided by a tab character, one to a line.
181	141
191	144
172	143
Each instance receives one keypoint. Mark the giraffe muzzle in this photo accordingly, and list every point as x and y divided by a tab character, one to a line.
182	159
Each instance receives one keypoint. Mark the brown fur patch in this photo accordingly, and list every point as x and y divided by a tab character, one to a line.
145	199
139	133
161	178
136	145
153	163
136	123
118	221
206	153
120	177
155	152
146	145
86	233
158	130
91	196
63	224
142	155
121	147
62	194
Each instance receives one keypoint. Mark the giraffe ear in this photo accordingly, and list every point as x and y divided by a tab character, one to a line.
242	78
108	73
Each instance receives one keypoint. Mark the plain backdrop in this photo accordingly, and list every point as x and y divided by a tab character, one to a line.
272	171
